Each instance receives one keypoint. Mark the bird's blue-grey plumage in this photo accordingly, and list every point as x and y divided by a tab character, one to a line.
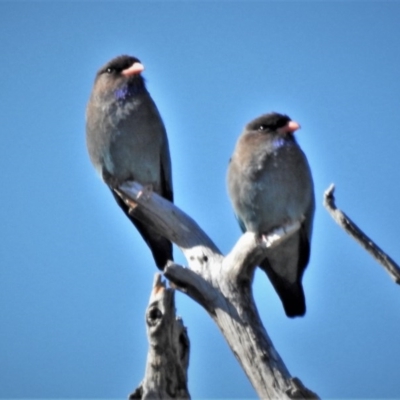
126	140
270	184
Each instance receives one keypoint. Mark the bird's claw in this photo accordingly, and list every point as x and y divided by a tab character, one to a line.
129	202
146	192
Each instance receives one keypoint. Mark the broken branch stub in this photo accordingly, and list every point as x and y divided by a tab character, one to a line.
169	348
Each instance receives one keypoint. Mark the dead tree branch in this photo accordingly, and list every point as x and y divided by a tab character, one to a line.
222	285
168	356
356	233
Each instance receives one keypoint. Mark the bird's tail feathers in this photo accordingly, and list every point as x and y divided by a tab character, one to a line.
291	294
160	247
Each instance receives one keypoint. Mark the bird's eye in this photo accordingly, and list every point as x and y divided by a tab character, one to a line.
110	70
261	127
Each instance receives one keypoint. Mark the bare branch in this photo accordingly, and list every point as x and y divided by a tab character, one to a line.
250	250
223	287
168	356
171	222
355	232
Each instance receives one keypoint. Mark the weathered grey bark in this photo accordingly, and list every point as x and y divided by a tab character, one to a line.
168	356
222	285
355	232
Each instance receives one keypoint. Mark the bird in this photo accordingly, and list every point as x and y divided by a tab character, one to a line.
127	140
270	184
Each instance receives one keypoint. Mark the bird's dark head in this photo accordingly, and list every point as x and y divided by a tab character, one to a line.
122	66
273	123
121	76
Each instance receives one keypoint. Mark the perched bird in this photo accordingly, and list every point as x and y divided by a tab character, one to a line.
126	140
270	184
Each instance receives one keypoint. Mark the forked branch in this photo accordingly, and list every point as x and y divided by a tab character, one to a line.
222	285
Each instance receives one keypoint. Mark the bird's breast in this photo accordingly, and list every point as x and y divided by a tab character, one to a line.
272	187
126	137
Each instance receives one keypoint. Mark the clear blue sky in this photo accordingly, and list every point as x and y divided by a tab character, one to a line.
75	276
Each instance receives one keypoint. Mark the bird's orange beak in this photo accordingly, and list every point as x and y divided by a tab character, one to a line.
135	69
291	127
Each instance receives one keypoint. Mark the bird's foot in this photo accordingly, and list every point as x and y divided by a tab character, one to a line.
281	233
146	192
269	239
129	202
